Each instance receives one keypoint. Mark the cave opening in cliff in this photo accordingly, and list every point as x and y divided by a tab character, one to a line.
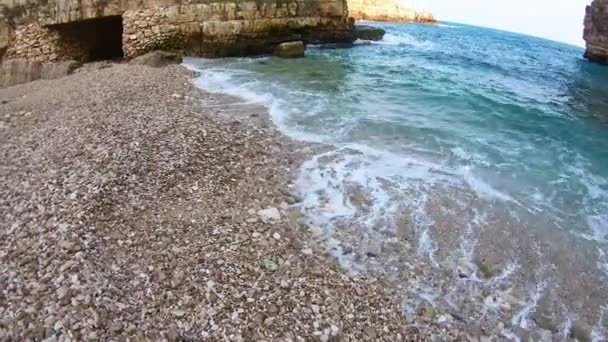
92	39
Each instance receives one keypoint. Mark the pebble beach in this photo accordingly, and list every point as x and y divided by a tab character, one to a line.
134	206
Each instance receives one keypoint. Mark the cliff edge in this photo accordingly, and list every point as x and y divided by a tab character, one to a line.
50	31
596	31
387	10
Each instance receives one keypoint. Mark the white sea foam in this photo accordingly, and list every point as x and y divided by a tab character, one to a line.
242	84
482	188
462	155
403	39
447	25
362	42
595	198
602	262
599	331
521	319
510	336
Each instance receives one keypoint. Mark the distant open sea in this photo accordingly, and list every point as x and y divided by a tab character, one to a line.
469	167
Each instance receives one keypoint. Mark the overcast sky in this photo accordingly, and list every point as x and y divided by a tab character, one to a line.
560	20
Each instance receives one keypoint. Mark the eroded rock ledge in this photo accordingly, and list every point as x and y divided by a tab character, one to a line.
87	30
596	31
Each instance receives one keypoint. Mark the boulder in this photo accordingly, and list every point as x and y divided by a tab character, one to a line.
17	71
369	33
51	71
158	59
290	50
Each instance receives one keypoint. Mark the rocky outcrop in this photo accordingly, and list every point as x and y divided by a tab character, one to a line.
387	10
157	59
87	30
290	50
596	31
365	32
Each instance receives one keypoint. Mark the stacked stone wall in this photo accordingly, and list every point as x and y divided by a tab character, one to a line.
35	43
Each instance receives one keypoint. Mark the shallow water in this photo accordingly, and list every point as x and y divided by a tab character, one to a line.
470	167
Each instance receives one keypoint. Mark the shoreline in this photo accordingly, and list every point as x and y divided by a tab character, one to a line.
463	279
136	205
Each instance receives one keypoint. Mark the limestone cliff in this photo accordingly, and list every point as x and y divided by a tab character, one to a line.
596	31
83	30
387	10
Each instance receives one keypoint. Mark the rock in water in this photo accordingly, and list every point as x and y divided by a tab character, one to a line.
290	50
596	31
369	33
158	59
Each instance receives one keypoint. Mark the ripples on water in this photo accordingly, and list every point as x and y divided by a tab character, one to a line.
470	167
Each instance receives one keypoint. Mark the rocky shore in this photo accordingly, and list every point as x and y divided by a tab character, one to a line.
136	207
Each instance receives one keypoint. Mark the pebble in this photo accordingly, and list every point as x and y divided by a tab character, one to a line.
179	313
270	215
270	265
116	327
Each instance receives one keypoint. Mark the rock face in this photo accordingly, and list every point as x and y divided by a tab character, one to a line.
158	59
387	10
85	30
88	30
369	33
290	50
596	31
16	71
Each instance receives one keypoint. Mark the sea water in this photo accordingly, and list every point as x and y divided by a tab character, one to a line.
468	166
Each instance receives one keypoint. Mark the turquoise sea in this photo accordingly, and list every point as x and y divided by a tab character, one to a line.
468	166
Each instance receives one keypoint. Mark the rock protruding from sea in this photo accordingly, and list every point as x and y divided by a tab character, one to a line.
290	50
365	32
596	32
